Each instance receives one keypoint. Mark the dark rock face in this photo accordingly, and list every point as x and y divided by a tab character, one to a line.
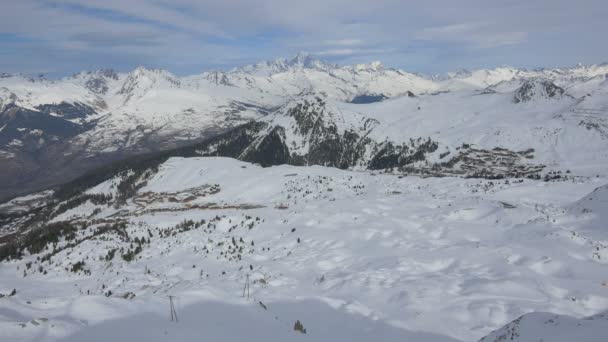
219	78
233	143
97	85
97	81
68	111
314	126
329	149
269	149
535	88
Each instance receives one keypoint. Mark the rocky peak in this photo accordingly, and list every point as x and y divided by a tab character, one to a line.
537	89
217	78
459	73
97	81
307	61
307	112
108	73
143	78
97	85
300	61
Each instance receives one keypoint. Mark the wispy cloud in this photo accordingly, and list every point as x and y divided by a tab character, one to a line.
344	42
479	35
114	39
335	52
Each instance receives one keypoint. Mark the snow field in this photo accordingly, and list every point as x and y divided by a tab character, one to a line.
457	258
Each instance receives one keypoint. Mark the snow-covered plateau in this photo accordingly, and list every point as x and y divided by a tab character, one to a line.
246	252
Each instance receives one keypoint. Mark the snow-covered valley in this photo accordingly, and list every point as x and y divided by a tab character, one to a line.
352	255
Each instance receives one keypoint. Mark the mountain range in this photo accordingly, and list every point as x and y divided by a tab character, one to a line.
306	111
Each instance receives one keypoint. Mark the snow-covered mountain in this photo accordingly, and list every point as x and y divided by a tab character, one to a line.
54	130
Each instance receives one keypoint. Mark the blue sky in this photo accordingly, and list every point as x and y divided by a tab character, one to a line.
60	37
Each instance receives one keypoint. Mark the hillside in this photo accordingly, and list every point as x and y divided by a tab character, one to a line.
351	255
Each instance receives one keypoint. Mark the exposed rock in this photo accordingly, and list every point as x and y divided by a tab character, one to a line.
306	132
66	110
536	89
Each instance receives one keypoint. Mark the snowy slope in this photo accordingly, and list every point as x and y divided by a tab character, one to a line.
549	327
590	213
352	255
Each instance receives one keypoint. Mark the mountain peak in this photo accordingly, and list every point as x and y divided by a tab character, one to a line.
307	61
373	67
301	60
459	73
104	72
143	78
537	88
